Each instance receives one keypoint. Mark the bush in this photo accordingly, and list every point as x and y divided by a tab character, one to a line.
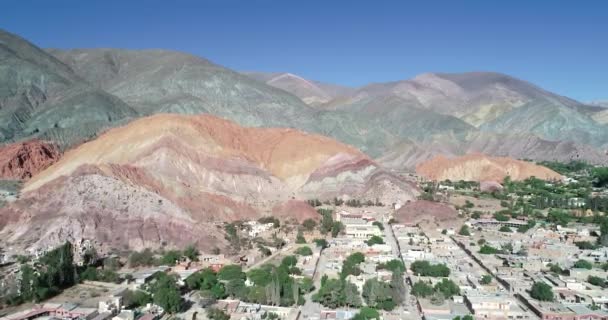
486	279
505	229
379	225
321	243
596	281
304	251
583	264
486	249
464	231
309	224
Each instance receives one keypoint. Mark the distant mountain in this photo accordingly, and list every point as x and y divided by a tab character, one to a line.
429	114
154	81
313	93
167	178
41	97
479	167
599	103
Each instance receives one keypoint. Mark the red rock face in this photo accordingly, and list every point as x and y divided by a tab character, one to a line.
24	159
416	211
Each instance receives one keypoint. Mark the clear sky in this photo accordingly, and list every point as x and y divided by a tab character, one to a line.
560	45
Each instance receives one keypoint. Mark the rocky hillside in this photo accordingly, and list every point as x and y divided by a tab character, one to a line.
313	93
479	167
163	81
140	183
22	160
42	97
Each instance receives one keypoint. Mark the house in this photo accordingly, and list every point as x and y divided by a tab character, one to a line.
496	306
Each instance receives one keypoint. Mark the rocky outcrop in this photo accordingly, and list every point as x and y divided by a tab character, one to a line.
421	211
158	175
478	167
22	160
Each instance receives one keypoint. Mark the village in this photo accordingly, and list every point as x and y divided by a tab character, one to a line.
496	254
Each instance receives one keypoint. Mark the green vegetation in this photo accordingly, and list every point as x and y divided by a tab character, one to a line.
91	273
335	293
426	269
328	225
217	314
486	249
142	259
275	222
374	240
422	289
585	245
135	299
351	265
379	225
378	294
321	243
464	231
500	216
300	238
54	272
367	313
304	251
309	224
486	279
165	293
569	168
505	229
597	281
394	265
447	288
271	284
541	291
583	264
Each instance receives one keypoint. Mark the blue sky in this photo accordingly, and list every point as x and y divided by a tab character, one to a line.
560	45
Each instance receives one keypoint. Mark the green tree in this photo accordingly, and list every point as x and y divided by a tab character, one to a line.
300	238
135	299
379	225
374	240
486	249
304	251
217	314
422	289
171	257
321	243
505	229
597	281
367	313
309	224
191	252
486	279
447	288
541	291
394	265
377	294
426	269
231	272
583	264
165	293
464	231
336	228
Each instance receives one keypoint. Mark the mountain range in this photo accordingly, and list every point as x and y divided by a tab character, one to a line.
165	144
